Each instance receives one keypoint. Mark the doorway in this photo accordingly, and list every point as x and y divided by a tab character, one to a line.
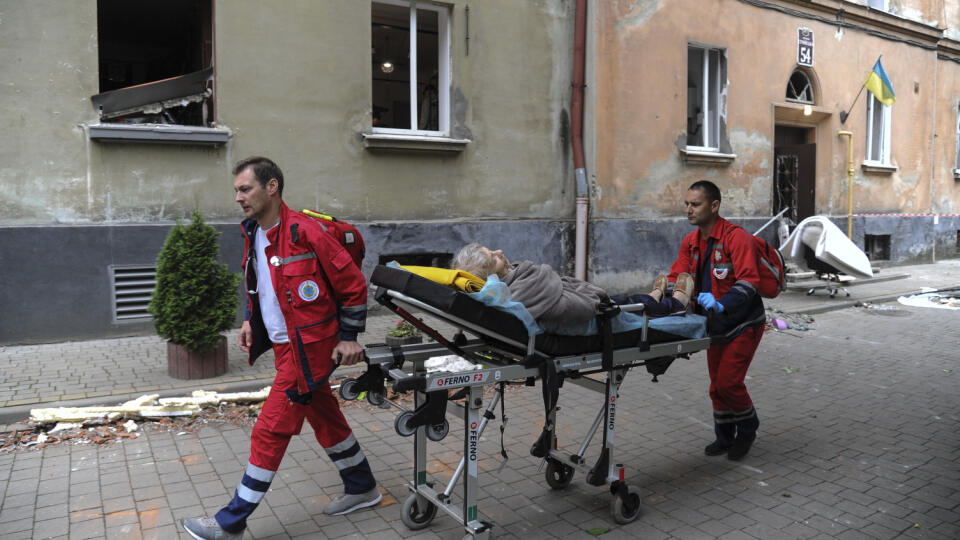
794	172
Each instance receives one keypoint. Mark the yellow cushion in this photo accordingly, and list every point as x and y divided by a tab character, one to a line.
465	281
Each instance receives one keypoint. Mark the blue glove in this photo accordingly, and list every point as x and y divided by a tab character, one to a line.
707	300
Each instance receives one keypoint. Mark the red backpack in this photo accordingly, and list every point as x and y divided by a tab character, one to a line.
345	233
770	265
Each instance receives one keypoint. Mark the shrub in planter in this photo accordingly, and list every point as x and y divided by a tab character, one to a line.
403	333
194	301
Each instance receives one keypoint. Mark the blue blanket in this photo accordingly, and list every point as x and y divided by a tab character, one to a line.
496	294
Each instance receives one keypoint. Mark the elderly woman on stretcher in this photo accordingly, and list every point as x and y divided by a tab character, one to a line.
562	304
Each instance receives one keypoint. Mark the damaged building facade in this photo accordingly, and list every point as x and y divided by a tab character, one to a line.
427	124
749	94
430	124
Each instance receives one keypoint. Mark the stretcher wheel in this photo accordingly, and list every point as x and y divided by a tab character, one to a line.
402	424
437	432
348	389
414	517
376	398
558	474
626	512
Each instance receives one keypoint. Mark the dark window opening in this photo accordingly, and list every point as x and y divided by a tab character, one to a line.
437	260
799	88
155	59
877	246
958	244
392	68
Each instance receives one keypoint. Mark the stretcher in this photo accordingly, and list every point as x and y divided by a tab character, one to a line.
507	354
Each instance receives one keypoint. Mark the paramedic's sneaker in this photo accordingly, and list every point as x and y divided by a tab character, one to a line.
659	288
683	290
345	504
740	447
716	449
207	528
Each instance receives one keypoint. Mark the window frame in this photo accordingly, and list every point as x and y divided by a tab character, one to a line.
885	5
956	170
868	157
443	71
711	118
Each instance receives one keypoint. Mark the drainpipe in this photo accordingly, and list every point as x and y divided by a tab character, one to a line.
849	135
576	126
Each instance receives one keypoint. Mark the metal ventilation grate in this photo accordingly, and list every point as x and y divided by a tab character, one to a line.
132	287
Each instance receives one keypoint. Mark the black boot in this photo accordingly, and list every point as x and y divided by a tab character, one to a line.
725	437
746	434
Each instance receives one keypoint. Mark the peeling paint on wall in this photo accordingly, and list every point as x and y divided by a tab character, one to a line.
639	12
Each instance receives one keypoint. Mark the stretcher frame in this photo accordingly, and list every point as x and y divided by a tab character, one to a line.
506	361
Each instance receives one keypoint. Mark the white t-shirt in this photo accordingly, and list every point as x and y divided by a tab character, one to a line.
269	306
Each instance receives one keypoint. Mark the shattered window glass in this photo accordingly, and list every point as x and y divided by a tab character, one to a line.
155	59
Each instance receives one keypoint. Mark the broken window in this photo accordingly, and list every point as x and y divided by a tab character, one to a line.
410	56
705	92
156	62
799	88
878	131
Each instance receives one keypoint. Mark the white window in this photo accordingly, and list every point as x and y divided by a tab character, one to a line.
878	131
705	96
878	4
958	142
411	68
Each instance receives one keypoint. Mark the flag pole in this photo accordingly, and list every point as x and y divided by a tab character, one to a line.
845	114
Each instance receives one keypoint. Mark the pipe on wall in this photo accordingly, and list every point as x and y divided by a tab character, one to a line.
576	127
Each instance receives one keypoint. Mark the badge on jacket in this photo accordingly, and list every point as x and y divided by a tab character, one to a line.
308	290
721	273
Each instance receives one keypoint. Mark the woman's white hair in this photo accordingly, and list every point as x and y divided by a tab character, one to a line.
472	258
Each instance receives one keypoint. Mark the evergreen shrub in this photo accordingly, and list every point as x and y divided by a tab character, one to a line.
196	296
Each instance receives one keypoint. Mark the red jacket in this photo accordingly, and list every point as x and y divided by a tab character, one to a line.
322	293
733	275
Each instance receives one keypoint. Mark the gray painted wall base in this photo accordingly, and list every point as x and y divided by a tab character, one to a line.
57	283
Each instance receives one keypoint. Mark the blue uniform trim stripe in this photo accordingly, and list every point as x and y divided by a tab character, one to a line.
348	453
254	484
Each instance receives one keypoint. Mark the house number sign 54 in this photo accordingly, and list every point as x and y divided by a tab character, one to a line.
805	46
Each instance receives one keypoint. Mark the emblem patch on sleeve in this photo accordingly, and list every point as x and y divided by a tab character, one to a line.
308	290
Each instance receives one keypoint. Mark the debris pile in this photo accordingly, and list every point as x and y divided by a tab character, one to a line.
941	300
778	321
99	425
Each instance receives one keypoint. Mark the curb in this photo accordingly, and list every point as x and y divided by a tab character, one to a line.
17	414
843	304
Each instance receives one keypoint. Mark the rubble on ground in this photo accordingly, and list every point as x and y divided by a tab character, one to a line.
99	425
779	320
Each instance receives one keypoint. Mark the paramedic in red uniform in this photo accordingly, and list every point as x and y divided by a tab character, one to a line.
723	259
307	300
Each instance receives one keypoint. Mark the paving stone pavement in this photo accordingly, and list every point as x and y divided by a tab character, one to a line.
858	439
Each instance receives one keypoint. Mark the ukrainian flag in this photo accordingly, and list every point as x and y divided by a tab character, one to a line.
879	85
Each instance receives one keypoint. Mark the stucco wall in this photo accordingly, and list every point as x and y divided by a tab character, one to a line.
641	101
293	81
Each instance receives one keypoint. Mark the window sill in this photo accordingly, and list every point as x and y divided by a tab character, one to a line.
423	143
158	134
705	156
878	168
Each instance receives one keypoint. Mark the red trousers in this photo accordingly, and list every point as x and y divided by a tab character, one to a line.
280	418
728	364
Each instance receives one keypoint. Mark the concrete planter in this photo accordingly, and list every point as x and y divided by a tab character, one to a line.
186	364
393	341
